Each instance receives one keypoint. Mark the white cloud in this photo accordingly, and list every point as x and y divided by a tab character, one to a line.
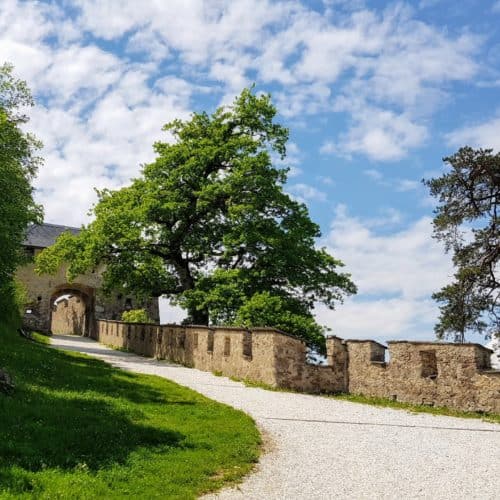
408	263
374	174
396	65
325	180
305	192
381	319
485	135
404	185
400	185
396	273
379	134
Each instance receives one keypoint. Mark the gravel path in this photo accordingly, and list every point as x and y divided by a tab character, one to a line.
325	448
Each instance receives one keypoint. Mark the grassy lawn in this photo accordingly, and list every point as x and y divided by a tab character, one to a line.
77	428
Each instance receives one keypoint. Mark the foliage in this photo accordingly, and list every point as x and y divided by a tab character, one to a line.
78	428
467	221
264	309
136	316
18	166
208	225
20	296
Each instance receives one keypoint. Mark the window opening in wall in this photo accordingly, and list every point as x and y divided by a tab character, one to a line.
429	364
247	344
377	354
195	339
227	346
182	339
210	341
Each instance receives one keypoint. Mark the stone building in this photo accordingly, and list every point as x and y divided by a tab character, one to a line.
56	305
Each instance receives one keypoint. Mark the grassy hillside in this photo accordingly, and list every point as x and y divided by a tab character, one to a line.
77	428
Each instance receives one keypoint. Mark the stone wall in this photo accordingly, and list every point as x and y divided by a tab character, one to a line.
68	316
44	290
441	374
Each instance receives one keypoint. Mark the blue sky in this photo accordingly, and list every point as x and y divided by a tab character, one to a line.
374	93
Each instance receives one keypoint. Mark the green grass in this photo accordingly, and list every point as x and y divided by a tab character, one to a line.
415	408
78	428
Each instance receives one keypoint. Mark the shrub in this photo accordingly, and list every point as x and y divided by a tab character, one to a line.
136	316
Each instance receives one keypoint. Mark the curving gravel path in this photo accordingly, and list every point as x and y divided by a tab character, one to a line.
324	448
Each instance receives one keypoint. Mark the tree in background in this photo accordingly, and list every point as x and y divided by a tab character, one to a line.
18	166
467	221
208	225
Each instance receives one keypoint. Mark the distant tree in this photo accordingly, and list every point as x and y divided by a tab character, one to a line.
18	166
467	221
136	316
208	225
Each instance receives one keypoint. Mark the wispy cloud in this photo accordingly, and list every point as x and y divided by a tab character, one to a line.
485	134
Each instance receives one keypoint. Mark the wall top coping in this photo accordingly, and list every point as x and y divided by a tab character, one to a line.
364	341
445	344
257	329
491	371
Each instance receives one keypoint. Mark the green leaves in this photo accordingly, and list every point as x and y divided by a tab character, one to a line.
467	221
208	225
18	165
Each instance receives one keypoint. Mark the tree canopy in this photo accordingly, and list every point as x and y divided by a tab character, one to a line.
467	221
18	166
208	225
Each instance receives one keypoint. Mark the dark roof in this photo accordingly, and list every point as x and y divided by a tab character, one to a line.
44	235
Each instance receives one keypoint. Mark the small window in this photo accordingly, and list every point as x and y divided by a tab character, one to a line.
195	339
429	364
181	340
210	341
377	353
227	346
247	344
171	338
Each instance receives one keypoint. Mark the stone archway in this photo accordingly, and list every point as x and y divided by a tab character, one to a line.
72	310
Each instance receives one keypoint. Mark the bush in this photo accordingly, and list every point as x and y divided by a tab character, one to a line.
264	309
136	316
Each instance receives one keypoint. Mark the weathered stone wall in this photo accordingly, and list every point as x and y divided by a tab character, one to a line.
440	374
453	375
44	290
68	316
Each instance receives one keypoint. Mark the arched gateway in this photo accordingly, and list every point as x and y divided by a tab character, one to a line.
54	305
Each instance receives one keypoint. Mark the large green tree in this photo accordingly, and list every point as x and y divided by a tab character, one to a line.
209	225
467	221
18	166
